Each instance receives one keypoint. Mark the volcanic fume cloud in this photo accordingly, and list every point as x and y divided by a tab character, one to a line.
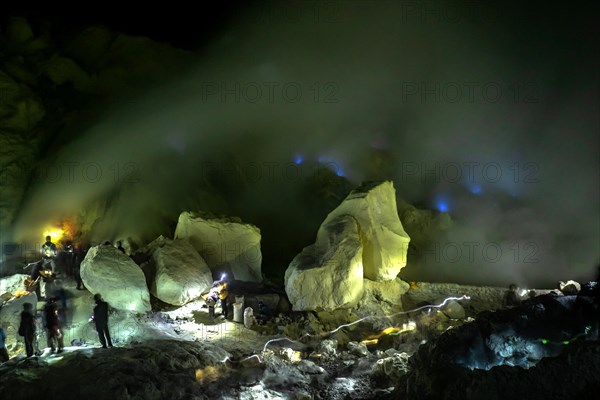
472	110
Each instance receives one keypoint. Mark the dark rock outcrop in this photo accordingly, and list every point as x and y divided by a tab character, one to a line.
536	351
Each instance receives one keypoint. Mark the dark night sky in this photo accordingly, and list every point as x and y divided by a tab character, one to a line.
187	24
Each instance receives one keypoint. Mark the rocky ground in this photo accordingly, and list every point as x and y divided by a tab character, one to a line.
181	353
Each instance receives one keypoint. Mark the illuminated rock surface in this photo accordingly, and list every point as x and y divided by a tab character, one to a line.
12	283
10	314
570	287
384	241
362	237
382	298
121	282
482	297
226	244
199	357
328	274
181	274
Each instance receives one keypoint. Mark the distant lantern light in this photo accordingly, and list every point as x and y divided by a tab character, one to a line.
476	189
298	159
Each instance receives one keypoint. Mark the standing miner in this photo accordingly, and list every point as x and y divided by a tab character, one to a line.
27	328
3	352
100	318
49	253
55	336
511	297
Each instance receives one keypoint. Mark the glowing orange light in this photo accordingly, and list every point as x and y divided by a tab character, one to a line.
47	273
64	230
207	374
20	293
54	233
392	330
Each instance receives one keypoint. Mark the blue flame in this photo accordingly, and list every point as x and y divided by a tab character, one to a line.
442	206
332	164
442	203
475	189
298	159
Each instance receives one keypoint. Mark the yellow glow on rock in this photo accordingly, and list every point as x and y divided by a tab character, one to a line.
392	330
370	342
389	330
295	357
207	374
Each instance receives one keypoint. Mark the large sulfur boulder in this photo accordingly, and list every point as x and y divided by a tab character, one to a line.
116	277
226	244
384	241
181	274
328	275
361	238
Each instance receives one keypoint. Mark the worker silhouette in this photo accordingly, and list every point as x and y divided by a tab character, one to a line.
100	318
511	297
49	253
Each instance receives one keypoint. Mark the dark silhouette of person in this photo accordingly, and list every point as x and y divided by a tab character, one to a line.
264	312
27	328
36	277
61	295
80	253
223	296
511	298
3	351
69	257
79	256
100	318
120	247
55	337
